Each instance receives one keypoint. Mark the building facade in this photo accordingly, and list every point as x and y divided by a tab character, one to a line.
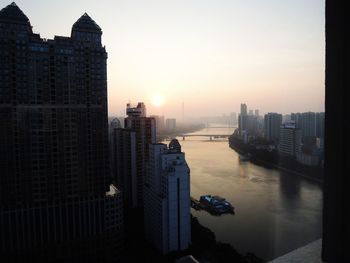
170	124
308	124
159	122
290	140
244	109
272	126
145	133
54	182
320	116
124	165
167	198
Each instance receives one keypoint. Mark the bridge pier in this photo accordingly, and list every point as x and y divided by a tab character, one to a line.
183	138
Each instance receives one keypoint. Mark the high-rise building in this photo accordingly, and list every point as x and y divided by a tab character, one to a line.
159	122
290	140
115	123
145	131
170	124
272	126
308	124
286	117
296	117
320	124
242	119
244	109
167	198
248	125
55	199
124	164
256	112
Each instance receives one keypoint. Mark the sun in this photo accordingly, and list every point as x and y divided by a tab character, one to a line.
157	100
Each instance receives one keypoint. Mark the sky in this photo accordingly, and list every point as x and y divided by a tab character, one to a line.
208	55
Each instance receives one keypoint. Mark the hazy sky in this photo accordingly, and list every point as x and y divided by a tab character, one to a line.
211	54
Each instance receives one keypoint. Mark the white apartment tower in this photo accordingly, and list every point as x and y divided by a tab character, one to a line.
167	198
290	139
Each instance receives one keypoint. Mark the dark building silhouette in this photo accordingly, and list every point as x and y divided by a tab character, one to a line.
320	124
55	199
124	163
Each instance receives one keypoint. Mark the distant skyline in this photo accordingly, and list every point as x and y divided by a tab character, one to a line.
211	55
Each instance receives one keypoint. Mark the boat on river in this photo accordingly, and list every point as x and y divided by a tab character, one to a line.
216	204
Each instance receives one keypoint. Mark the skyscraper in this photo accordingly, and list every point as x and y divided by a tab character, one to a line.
296	117
320	124
272	126
145	130
308	124
244	109
248	124
170	124
54	183
124	164
167	198
159	122
242	119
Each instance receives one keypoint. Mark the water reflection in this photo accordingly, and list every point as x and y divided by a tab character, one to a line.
275	212
289	190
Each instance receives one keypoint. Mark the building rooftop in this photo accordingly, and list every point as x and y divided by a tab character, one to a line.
13	15
174	146
136	111
86	24
115	123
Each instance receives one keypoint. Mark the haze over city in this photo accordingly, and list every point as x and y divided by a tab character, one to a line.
170	131
268	54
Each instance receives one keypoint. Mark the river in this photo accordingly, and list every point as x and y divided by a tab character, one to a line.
275	212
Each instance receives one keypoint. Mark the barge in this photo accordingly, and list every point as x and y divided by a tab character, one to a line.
213	204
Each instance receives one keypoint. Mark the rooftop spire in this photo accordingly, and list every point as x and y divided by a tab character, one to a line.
86	24
11	14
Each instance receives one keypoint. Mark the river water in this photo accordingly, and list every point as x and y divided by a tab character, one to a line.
275	212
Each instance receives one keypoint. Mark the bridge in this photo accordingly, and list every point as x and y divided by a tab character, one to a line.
220	127
210	136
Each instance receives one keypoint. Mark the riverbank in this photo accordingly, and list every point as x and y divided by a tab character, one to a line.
271	159
204	247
